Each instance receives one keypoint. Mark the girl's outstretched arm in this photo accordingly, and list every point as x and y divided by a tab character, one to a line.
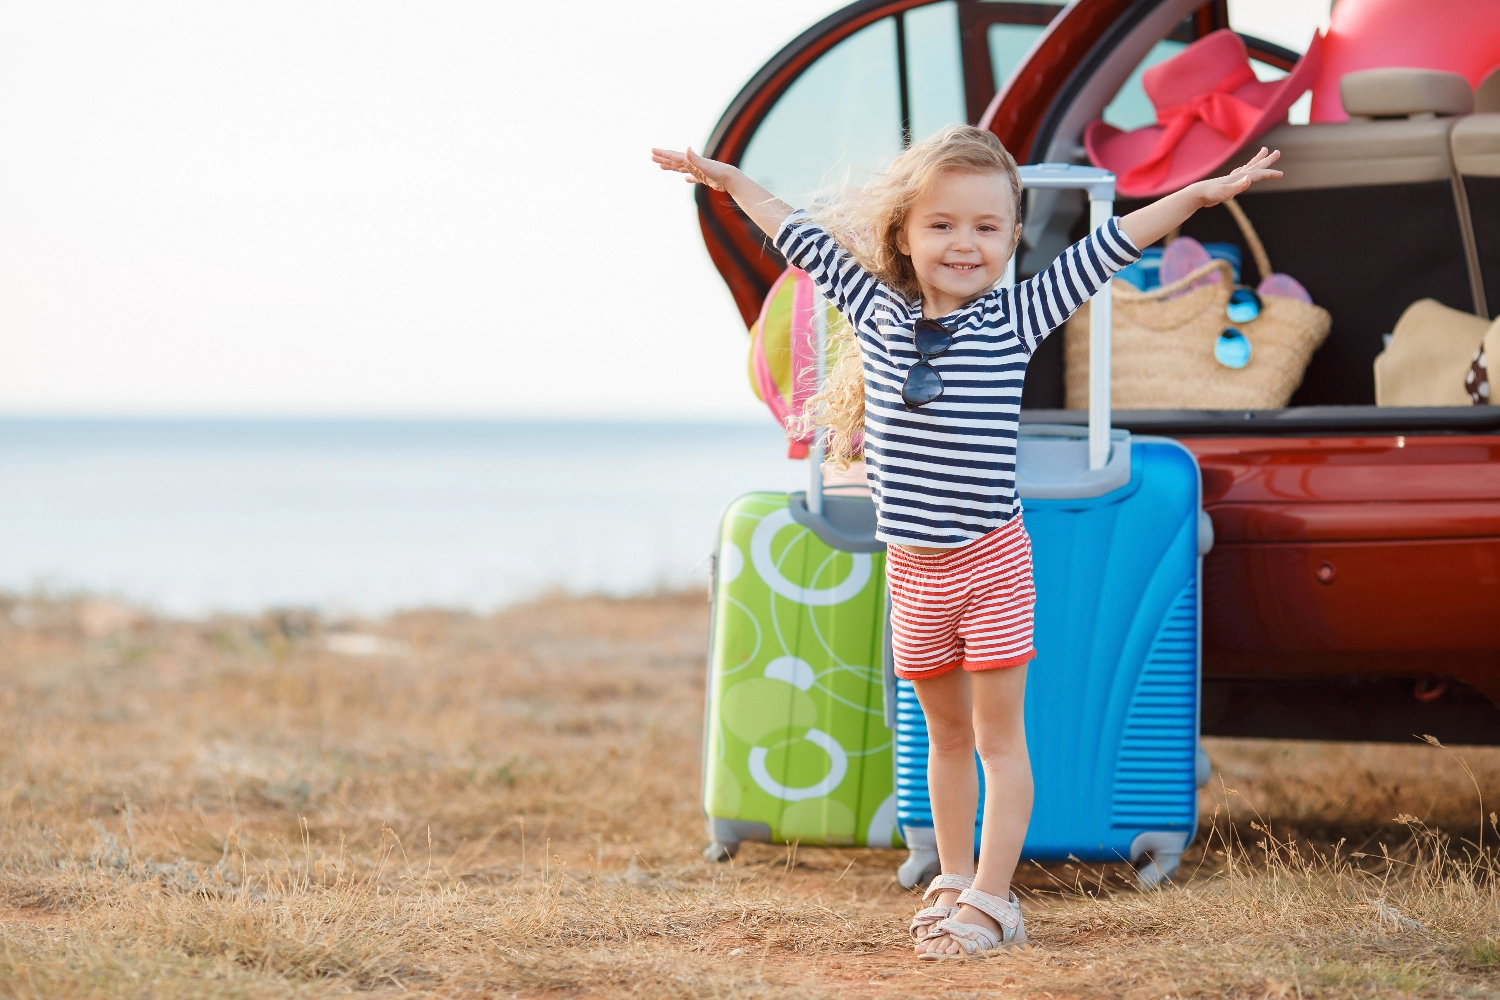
1147	225
765	209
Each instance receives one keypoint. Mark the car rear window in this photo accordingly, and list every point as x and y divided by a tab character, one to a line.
1009	44
841	115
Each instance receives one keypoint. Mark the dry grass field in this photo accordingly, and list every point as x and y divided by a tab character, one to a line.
445	805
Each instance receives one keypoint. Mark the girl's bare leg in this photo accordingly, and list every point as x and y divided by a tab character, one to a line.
951	780
999	733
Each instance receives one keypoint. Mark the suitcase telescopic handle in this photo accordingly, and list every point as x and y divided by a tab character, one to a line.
1099	185
820	369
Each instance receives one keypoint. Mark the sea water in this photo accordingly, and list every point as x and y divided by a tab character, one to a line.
191	517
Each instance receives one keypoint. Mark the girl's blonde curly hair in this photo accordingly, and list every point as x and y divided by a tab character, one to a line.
868	222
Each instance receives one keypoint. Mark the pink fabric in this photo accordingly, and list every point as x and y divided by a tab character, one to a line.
970	606
802	358
1285	286
769	390
804	346
1208	104
1219	109
1459	36
1181	258
1198	69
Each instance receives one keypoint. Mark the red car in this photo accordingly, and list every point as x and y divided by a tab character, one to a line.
1353	590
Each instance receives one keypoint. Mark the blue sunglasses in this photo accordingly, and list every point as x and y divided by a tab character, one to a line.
1232	349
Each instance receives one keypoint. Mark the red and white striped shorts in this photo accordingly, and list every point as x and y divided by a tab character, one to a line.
971	605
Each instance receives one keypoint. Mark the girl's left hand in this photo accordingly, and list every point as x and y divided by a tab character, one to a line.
1220	189
1146	225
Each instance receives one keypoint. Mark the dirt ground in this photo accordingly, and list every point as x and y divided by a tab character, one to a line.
439	804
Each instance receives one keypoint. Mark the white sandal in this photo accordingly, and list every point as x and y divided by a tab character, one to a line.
975	940
929	917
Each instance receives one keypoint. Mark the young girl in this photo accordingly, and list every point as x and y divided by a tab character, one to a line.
912	262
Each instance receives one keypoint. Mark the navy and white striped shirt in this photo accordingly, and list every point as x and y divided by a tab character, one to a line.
944	474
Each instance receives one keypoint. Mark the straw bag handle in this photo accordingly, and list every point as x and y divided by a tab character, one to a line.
1252	239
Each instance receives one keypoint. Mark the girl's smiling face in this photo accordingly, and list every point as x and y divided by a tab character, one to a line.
960	234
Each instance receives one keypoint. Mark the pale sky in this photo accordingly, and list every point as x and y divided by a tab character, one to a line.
371	208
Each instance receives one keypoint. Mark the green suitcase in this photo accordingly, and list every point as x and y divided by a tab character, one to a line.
796	747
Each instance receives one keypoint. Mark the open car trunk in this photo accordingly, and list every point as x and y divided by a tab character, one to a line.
1353	591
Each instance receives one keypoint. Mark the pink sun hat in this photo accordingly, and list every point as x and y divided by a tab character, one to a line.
1208	104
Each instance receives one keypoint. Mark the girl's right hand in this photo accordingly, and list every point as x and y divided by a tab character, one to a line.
700	169
765	209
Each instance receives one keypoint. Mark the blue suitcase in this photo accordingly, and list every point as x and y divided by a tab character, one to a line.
1117	534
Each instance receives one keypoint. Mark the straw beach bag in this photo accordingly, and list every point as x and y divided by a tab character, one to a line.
1163	351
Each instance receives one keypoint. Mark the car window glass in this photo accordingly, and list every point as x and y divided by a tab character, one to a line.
934	68
1009	44
839	120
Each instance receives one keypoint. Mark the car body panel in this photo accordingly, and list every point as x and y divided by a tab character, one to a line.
1357	550
1383	545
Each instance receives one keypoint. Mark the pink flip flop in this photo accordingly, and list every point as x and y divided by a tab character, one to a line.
1285	286
1182	257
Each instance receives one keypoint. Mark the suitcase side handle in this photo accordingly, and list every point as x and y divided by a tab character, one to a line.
846	523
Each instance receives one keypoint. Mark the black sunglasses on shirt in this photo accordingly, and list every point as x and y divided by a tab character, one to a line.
923	383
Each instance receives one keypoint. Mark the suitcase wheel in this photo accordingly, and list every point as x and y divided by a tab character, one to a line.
1162	851
920	867
719	851
1159	872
